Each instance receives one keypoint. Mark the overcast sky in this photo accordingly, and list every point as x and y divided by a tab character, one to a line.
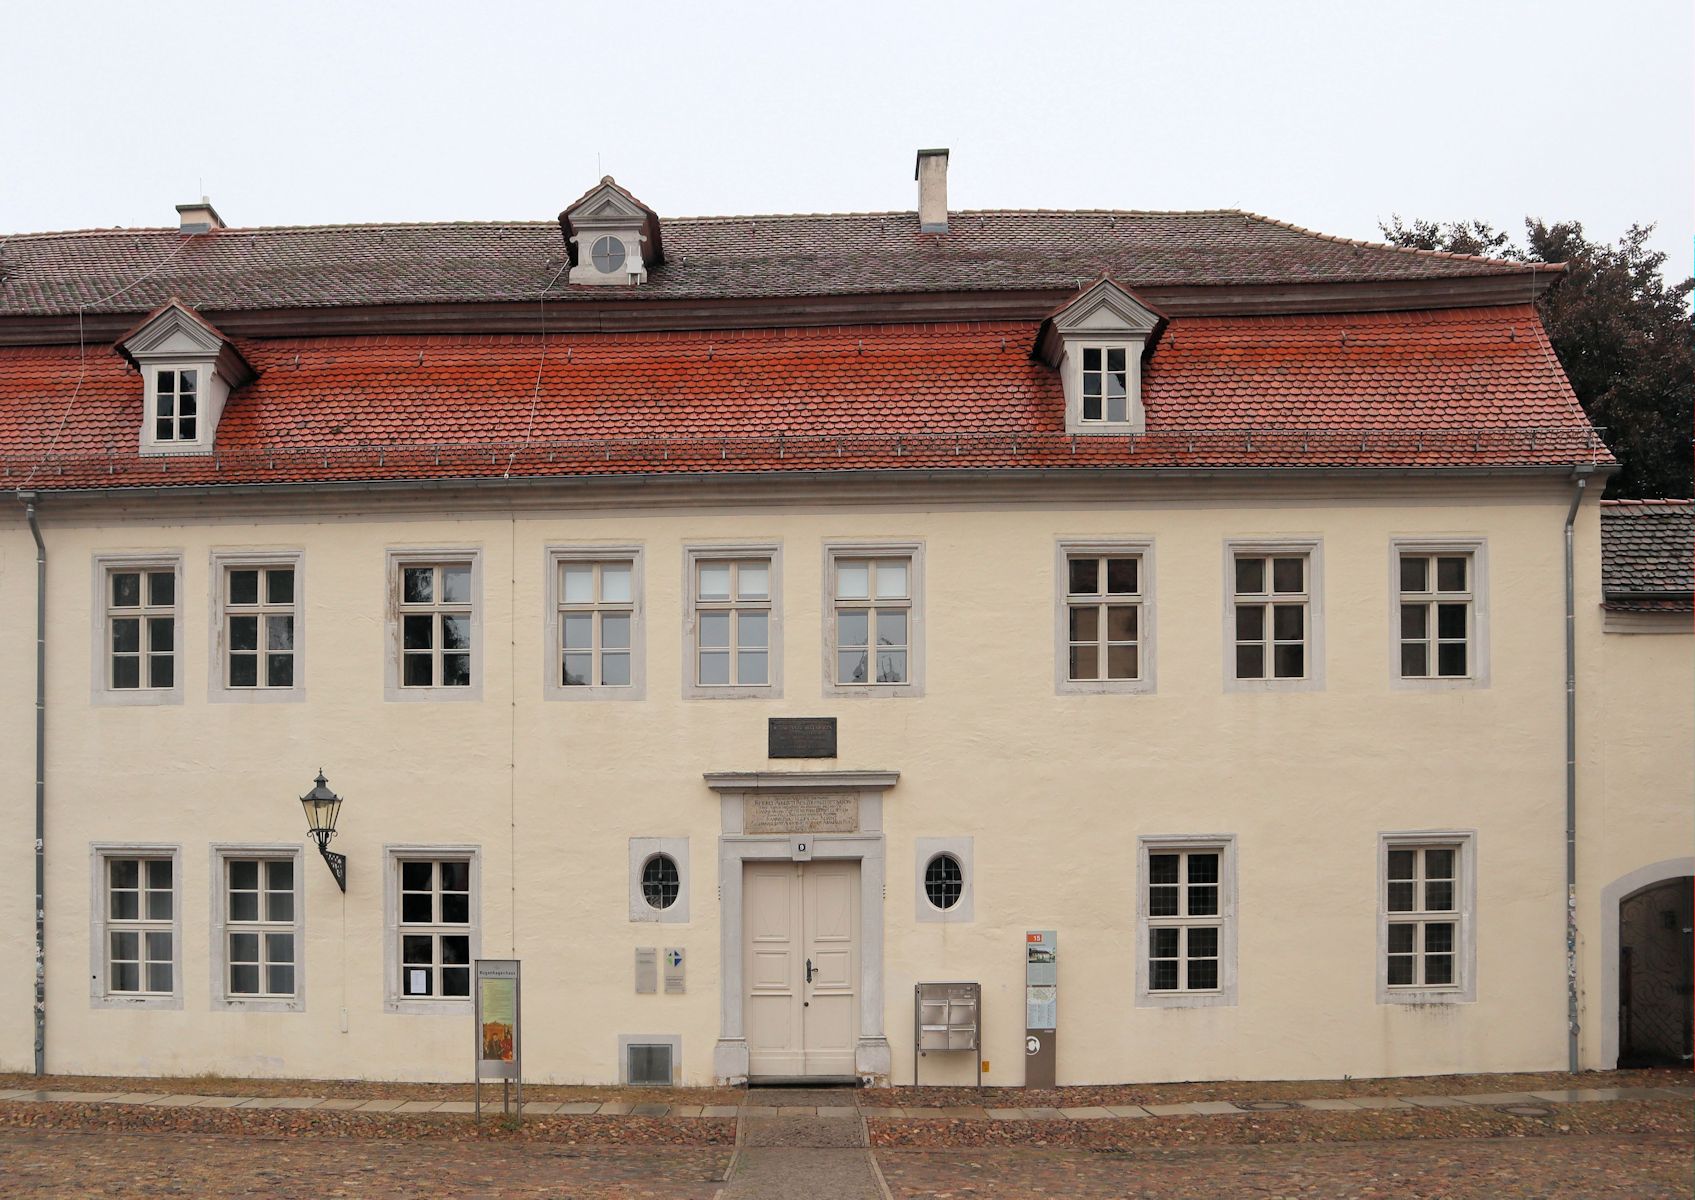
1330	115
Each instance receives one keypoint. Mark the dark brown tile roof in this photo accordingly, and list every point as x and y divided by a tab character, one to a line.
1648	555
134	270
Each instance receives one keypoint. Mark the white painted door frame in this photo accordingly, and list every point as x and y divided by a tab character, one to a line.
736	847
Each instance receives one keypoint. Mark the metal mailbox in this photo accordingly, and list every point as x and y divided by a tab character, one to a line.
947	1017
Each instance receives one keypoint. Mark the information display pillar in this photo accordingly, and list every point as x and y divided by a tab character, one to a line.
1041	1007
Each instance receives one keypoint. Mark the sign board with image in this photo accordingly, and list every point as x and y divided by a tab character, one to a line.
499	1026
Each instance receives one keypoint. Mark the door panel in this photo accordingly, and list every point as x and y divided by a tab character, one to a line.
801	919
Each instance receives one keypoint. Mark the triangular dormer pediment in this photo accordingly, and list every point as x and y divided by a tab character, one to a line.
1096	342
188	368
610	236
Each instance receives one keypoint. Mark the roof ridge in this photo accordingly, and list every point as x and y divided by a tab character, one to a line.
1449	255
1649	501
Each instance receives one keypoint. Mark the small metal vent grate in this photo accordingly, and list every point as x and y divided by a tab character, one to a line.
649	1065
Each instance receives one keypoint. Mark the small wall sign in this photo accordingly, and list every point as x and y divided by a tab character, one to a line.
801	737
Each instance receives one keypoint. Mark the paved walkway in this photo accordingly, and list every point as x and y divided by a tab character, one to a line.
762	1105
802	1143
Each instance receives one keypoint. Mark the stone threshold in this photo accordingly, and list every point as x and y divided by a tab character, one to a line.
1507	1101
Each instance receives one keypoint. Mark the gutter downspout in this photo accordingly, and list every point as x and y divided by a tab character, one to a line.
1580	479
28	499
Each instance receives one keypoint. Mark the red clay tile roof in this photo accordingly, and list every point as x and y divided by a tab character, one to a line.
1475	387
134	270
1648	555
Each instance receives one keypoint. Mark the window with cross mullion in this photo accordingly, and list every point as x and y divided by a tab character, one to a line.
141	628
1272	616
1106	387
1436	616
434	928
259	626
176	405
260	926
873	620
596	619
435	625
1422	907
733	622
1104	616
1185	920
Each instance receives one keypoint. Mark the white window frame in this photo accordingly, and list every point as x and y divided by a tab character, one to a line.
101	690
1071	368
395	560
1224	845
1312	548
643	849
202	375
1140	548
693	556
913	552
1477	550
222	562
961	849
222	998
99	926
558	557
394	1000
1464	989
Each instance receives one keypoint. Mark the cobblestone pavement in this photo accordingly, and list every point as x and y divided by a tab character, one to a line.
58	1164
1588	1168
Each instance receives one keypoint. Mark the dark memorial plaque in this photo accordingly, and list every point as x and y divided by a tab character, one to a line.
802	737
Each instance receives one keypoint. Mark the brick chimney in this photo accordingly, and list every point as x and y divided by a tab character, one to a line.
932	176
198	218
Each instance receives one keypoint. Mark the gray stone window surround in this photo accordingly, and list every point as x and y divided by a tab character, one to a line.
626	1040
593	552
1312	547
693	554
393	1002
1224	995
872	1055
912	549
1614	894
100	690
98	994
1139	547
1464	991
642	849
964	910
397	557
221	853
218	690
1475	548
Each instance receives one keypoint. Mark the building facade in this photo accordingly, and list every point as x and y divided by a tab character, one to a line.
743	620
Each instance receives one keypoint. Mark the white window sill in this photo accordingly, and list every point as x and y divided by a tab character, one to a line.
455	1007
122	1000
1162	999
259	1004
1424	996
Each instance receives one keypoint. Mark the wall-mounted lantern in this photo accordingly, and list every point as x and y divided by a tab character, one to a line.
322	808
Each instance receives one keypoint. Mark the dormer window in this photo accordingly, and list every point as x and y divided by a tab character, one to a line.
176	405
1097	343
611	238
188	369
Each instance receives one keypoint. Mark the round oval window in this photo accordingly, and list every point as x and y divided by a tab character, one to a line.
660	881
944	881
608	255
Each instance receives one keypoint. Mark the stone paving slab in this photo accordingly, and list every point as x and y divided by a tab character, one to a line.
1435	1101
681	1110
419	1106
457	1106
1325	1105
1379	1102
1007	1114
1128	1110
615	1108
175	1101
381	1105
542	1108
710	1110
341	1102
1493	1098
223	1101
1216	1108
1173	1110
581	1109
1090	1112
1044	1114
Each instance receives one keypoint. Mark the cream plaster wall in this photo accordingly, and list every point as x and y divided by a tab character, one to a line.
1055	790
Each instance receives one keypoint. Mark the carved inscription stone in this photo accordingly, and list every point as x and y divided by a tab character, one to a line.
829	813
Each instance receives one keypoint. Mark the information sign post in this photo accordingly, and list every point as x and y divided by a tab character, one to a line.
500	1043
1041	1007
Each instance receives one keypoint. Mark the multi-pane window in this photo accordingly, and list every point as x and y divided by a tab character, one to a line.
596	621
873	620
1272	615
259	927
176	405
944	881
435	624
661	881
732	601
1185	920
140	915
259	626
1421	907
435	928
1104	616
141	627
1106	390
1436	616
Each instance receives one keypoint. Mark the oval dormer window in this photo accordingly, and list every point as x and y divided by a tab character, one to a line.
608	255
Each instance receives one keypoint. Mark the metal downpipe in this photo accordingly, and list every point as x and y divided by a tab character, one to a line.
1581	480
28	499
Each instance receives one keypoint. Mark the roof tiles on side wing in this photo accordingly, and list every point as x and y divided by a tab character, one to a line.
728	258
1648	554
1475	387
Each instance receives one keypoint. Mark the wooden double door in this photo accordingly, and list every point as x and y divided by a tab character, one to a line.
801	966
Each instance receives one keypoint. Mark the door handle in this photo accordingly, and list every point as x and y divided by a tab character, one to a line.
809	970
